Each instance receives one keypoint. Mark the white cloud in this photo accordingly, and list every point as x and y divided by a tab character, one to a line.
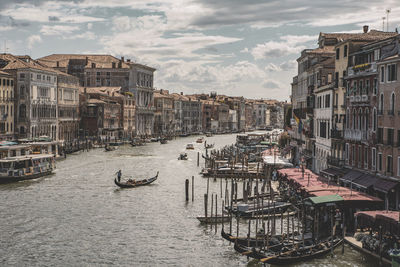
33	39
89	26
88	35
289	65
58	29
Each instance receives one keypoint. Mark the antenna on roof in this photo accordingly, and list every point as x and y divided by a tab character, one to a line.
383	24
387	18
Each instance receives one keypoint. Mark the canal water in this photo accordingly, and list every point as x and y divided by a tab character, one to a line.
78	217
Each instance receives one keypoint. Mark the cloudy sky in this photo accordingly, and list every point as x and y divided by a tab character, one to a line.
244	48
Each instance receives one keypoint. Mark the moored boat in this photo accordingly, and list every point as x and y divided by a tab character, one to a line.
189	146
27	167
183	156
213	219
163	141
130	183
199	140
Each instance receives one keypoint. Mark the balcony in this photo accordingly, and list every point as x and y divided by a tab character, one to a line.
337	162
355	135
362	69
359	98
336	134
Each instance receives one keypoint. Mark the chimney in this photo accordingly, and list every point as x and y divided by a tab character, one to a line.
181	93
86	60
122	59
365	28
161	91
128	60
58	64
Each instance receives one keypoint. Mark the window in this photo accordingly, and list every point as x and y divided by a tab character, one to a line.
374	158
392	72
380	136
353	154
337	53
379	161
347	151
336	79
322	129
366	87
390	136
376	54
345	51
21	76
381	104
375	90
398	166
382	73
392	104
361	89
366	157
327	101
39	77
389	164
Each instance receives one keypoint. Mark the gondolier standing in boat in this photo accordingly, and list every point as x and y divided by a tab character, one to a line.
119	174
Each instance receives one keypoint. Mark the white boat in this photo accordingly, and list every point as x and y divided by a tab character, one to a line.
189	146
27	167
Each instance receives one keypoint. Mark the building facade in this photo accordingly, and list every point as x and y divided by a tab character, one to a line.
6	106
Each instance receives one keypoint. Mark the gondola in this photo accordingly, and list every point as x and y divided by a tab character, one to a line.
130	183
297	253
183	156
163	141
274	241
209	146
109	148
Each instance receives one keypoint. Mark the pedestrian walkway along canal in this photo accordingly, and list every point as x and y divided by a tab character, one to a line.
78	216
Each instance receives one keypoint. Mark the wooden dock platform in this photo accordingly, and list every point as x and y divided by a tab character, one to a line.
357	245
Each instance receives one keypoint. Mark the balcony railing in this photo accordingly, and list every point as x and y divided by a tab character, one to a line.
336	134
355	134
337	162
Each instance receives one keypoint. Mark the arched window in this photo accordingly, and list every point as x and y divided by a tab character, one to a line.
359	119
366	119
22	111
374	120
392	103
354	119
347	118
381	103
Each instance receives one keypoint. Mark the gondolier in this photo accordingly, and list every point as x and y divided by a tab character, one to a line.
119	174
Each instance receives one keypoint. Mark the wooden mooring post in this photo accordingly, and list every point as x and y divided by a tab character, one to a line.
205	204
187	189
192	188
198	159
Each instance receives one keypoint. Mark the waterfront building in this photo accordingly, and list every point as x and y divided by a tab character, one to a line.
232	121
370	124
250	122
35	96
129	116
259	108
109	71
6	106
101	112
92	70
349	45
192	112
141	85
387	154
164	113
68	107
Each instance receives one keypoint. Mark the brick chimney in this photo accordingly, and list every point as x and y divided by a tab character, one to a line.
365	28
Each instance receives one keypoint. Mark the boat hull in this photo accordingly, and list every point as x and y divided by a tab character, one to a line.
12	179
138	183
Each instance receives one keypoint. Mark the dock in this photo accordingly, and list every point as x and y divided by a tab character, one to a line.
357	245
